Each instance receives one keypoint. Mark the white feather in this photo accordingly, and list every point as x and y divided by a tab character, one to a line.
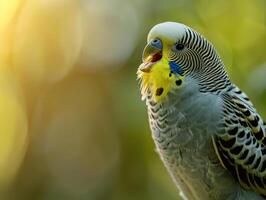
168	30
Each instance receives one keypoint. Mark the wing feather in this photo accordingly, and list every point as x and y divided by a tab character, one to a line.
241	145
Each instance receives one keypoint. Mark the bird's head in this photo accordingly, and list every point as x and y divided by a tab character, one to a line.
173	53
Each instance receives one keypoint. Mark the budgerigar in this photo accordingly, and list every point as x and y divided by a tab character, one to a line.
207	132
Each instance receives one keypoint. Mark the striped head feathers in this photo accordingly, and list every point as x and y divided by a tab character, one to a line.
174	52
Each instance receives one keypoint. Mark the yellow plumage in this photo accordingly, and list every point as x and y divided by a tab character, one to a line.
159	77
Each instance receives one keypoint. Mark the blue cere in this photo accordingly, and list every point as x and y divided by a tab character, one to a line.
157	44
175	68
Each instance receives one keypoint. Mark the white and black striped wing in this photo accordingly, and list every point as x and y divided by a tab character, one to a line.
241	146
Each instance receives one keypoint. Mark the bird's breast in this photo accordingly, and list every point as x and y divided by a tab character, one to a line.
182	130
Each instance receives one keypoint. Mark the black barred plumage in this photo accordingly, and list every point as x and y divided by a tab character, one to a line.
243	144
201	61
206	130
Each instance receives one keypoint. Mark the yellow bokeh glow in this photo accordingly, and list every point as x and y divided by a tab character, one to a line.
72	124
13	127
47	39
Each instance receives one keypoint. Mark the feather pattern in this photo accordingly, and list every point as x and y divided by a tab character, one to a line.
183	130
206	131
242	144
200	60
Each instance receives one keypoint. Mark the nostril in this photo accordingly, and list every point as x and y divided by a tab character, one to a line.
156	43
156	57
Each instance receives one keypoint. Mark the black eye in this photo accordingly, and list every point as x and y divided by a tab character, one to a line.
179	47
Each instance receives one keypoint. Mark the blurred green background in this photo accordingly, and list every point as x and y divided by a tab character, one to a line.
72	123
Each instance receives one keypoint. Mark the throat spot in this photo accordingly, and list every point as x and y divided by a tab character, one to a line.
159	91
178	82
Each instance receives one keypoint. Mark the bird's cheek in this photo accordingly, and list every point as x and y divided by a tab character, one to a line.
162	81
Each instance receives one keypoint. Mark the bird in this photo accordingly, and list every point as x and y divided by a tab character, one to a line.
206	131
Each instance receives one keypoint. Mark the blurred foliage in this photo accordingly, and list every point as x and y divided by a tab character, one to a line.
72	124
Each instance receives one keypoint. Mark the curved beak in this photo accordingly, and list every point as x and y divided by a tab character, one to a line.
152	53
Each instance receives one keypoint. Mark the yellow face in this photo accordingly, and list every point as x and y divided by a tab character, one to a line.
155	72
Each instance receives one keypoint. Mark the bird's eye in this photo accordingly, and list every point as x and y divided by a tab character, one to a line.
179	47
